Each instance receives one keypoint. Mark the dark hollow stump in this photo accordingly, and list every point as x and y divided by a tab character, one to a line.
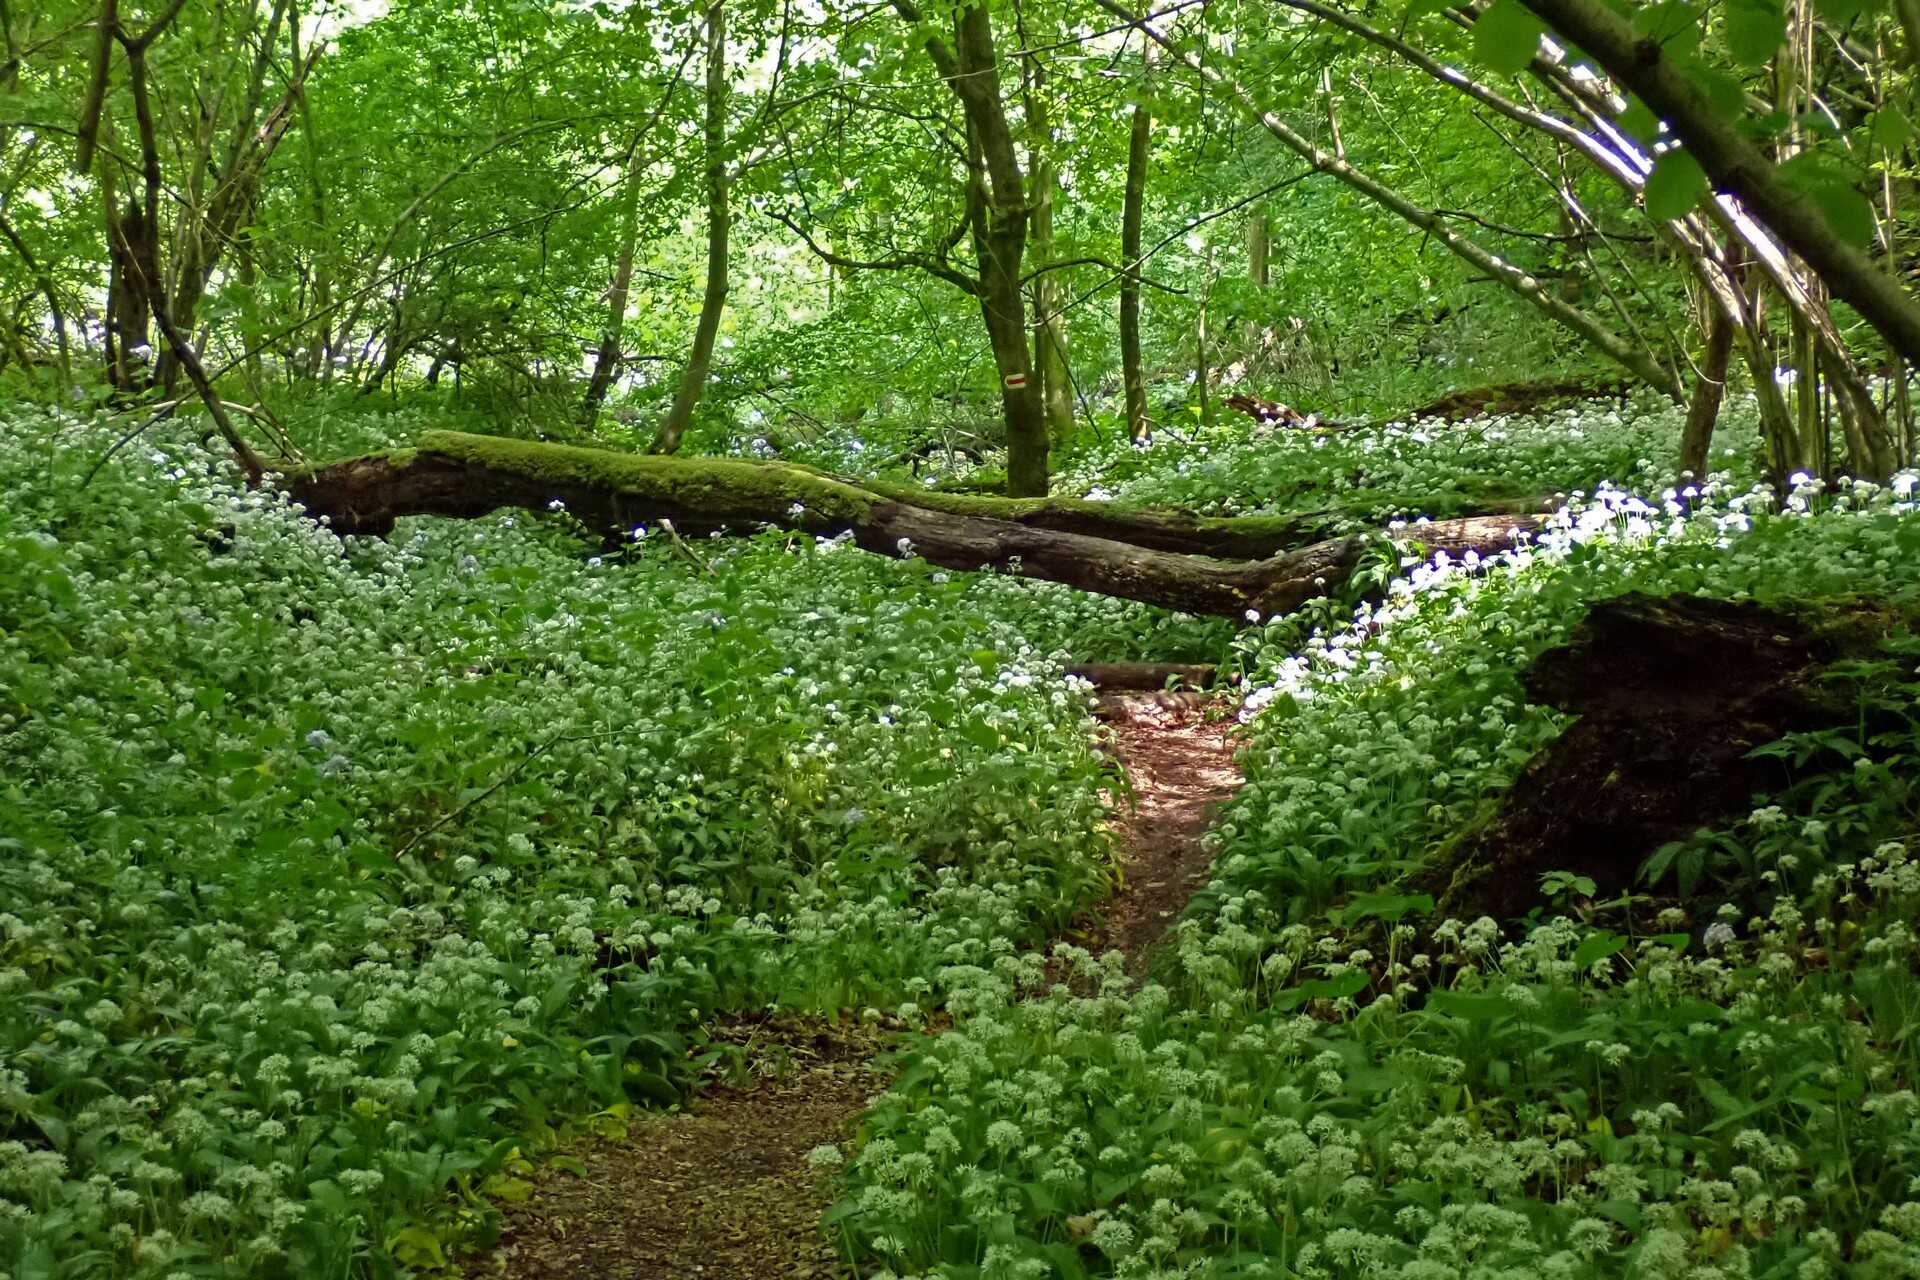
1672	694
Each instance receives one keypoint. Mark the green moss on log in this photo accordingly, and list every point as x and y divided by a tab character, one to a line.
691	484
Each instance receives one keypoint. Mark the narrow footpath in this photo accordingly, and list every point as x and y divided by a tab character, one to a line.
724	1191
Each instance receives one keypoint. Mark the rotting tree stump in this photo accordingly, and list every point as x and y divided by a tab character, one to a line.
1672	694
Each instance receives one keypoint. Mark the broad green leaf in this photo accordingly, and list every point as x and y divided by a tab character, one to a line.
1596	948
1755	29
1672	24
1846	210
1639	121
1675	186
1454	1004
1841	12
1507	36
1889	128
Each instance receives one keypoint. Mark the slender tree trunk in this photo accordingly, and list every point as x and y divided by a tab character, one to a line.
1132	213
132	255
606	361
1708	391
1259	246
1049	320
1202	344
1000	228
693	379
998	215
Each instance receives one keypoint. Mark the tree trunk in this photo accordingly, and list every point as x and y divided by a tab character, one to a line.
1708	390
693	379
999	219
1259	245
1000	230
1132	213
469	476
1202	348
1049	295
606	361
133	257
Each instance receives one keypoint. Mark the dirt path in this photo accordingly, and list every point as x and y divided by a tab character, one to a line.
1178	750
724	1191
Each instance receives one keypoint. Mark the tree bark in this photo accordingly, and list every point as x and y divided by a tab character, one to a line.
606	361
693	379
468	476
1735	165
1000	221
1132	213
1049	315
1708	390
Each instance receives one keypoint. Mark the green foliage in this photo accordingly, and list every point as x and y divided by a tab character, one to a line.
1327	1081
1506	35
333	874
1366	473
1675	186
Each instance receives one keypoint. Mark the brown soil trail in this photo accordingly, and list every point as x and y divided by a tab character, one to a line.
1178	751
724	1191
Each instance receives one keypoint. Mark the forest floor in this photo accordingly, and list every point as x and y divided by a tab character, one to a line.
724	1191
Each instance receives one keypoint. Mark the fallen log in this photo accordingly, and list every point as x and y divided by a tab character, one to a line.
1518	397
1269	412
1145	675
465	476
1225	537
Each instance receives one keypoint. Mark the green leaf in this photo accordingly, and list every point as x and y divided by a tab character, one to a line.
1674	25
1639	121
1725	90
1335	988
510	1189
1889	128
1846	210
1675	186
1455	1004
1507	36
1755	29
1595	948
1841	13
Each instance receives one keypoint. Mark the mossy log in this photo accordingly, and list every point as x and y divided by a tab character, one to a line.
1145	676
451	474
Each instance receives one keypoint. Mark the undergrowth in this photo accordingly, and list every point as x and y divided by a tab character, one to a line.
332	874
1325	1079
336	878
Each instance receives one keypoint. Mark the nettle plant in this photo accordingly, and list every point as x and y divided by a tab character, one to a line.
1321	1082
333	874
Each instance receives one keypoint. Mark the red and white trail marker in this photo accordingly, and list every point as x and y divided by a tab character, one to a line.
1015	379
